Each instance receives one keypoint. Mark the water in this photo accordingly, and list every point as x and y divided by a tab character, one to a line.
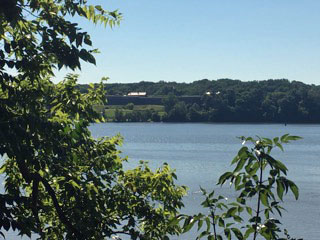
200	153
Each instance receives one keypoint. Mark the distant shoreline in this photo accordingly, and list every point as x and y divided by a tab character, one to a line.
225	100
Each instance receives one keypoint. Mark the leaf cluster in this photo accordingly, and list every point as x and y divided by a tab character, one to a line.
59	181
260	181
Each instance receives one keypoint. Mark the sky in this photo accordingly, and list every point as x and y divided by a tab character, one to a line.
188	40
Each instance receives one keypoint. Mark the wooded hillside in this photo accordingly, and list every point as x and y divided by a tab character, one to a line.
227	100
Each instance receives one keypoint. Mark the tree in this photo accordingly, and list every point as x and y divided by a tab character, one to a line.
261	183
178	113
194	115
60	182
169	102
130	106
119	116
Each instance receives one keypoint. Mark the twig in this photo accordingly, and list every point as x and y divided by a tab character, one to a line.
259	200
56	204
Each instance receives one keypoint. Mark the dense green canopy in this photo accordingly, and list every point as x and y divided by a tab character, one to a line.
226	100
60	182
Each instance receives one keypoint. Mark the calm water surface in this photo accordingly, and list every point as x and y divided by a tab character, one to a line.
200	153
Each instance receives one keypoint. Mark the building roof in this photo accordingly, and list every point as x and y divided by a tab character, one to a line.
137	94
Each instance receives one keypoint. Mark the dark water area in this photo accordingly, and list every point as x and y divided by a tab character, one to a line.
200	153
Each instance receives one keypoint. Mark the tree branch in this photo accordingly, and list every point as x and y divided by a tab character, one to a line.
34	207
56	204
259	199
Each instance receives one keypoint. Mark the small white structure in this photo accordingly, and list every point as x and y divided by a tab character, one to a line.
137	94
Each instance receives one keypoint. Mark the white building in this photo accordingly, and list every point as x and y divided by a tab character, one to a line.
137	94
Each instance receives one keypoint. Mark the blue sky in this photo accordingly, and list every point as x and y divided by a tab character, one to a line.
187	40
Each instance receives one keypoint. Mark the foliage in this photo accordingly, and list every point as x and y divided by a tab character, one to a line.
178	113
233	100
139	113
130	106
60	182
169	102
261	182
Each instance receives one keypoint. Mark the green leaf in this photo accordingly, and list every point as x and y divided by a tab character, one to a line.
278	210
91	11
224	177
91	59
204	233
237	233
211	237
204	191
188	224
284	138
174	221
248	232
249	210
87	40
266	213
208	223
227	233
200	223
237	219
221	222
229	224
241	200
237	181
279	146
219	237
243	153
240	165
294	189
273	172
264	199
267	141
279	165
293	138
251	169
3	169
231	212
235	159
280	189
99	8
79	38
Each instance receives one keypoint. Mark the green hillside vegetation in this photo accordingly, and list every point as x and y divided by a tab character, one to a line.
138	113
223	100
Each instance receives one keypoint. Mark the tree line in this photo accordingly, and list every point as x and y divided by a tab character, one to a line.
226	100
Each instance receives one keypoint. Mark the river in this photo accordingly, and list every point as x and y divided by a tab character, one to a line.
201	152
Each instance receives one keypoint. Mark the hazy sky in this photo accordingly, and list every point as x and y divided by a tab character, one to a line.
187	40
